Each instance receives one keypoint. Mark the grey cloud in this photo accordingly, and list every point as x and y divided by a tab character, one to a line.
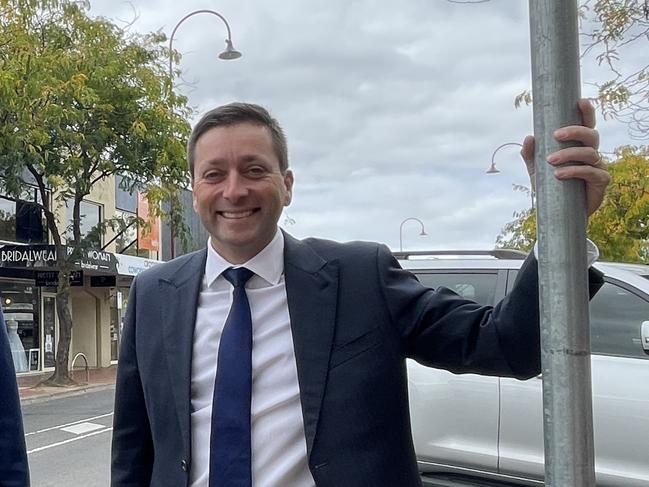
391	111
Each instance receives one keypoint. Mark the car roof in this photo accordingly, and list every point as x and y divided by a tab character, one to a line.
634	274
461	259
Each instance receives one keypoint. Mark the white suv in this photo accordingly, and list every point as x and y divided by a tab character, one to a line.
469	427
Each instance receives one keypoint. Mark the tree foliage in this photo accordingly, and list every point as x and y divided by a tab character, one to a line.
520	233
610	31
80	101
620	228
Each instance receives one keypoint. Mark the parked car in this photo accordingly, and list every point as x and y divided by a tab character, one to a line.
490	428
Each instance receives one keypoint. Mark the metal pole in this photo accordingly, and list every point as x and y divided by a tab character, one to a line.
563	278
229	53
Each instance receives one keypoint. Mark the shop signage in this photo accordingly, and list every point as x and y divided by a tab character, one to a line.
129	265
51	278
44	256
27	256
148	238
76	278
102	281
97	260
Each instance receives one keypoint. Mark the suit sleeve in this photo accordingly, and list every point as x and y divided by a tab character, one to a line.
132	447
14	471
441	329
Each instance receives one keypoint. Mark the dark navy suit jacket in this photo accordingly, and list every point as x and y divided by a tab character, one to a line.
355	317
13	457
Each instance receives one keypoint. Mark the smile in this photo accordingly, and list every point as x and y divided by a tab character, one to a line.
235	215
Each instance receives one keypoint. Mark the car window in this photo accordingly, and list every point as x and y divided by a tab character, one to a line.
616	316
479	287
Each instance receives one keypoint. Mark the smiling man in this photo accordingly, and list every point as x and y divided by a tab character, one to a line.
240	188
267	361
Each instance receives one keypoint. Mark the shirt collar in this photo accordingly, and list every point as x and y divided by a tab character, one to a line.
267	264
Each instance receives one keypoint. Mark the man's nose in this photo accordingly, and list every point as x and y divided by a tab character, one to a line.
235	187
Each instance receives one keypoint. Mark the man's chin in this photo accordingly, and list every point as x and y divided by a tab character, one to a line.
241	246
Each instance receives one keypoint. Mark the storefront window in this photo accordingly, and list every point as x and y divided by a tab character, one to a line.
118	303
49	330
126	242
22	220
20	307
127	239
90	215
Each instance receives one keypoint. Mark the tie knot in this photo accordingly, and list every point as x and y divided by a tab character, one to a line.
238	277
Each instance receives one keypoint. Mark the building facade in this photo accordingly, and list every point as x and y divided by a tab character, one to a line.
99	287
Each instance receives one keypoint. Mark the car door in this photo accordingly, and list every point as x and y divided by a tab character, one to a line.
455	417
620	378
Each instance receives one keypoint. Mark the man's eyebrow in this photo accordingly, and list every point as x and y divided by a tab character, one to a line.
252	158
212	162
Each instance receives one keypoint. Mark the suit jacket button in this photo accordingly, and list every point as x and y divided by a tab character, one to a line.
184	466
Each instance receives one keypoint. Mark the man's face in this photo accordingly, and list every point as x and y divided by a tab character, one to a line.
238	189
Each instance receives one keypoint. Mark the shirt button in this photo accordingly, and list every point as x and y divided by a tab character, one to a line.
183	465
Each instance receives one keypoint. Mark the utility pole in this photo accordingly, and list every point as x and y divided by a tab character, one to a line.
563	276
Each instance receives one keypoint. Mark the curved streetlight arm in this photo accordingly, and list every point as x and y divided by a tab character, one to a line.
493	169
191	14
411	218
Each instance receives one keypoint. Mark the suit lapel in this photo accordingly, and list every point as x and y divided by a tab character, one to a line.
312	291
179	297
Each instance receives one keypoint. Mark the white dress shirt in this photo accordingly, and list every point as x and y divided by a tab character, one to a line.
278	441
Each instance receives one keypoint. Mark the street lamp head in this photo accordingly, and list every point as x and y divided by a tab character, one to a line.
230	52
423	232
492	169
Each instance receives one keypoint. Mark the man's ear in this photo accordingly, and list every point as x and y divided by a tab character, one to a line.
289	179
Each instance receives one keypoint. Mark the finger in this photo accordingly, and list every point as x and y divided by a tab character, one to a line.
593	175
527	153
596	180
587	112
584	155
576	133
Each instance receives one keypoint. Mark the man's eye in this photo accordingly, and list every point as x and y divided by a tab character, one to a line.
212	175
256	171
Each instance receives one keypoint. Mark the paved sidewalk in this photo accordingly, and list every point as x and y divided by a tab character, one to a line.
31	392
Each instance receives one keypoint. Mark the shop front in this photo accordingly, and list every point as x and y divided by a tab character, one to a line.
28	283
128	266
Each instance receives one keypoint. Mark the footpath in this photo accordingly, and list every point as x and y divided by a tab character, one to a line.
97	379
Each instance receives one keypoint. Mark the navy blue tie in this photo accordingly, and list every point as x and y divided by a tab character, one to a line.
230	441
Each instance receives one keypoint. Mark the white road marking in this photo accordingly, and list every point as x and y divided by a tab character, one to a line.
83	428
53	445
61	426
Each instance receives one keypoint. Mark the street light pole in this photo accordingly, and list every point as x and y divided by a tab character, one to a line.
423	231
229	54
494	170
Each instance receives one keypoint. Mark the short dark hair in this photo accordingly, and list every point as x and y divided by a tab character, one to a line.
235	113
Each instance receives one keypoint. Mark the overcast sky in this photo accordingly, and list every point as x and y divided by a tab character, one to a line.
392	110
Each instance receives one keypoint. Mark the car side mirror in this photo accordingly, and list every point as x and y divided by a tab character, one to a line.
644	336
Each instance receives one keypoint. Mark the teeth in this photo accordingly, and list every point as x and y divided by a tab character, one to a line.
236	214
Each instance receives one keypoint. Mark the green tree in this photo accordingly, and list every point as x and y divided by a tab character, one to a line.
520	233
620	228
80	101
